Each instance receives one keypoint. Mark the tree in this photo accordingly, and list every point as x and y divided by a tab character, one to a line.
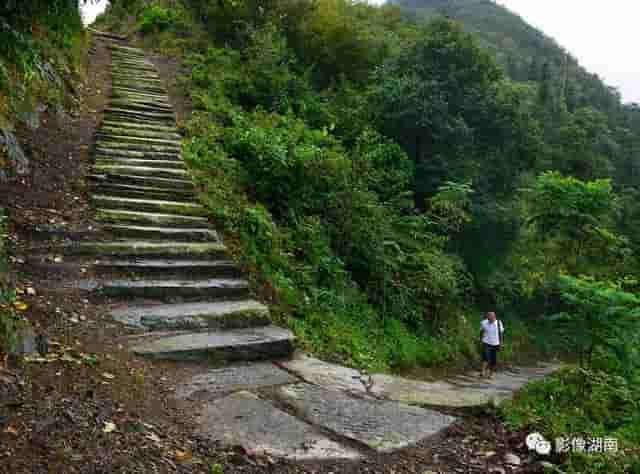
598	316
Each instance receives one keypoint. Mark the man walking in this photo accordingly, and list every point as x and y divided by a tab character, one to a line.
491	330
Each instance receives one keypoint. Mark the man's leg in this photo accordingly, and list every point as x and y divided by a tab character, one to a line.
493	360
485	359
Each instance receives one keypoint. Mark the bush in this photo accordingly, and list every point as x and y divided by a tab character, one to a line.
156	19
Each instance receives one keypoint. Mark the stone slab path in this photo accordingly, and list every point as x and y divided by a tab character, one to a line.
166	274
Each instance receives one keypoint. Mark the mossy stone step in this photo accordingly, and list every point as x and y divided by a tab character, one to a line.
127	112
120	91
214	315
142	171
150	205
132	118
169	290
194	234
139	180
124	139
105	150
124	93
139	126
116	160
138	87
138	106
259	343
151	192
153	151
148	248
162	269
116	216
127	99
134	66
130	132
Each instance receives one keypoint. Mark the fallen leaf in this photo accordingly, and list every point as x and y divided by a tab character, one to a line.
11	430
181	455
109	376
20	306
109	427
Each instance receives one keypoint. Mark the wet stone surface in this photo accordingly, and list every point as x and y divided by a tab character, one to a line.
235	378
382	426
242	418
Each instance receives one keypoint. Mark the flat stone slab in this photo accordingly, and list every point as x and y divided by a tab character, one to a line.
218	314
239	344
441	394
148	248
469	390
152	232
142	171
234	379
259	427
170	289
381	425
150	205
328	375
154	219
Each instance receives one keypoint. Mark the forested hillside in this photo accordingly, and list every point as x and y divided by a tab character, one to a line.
41	53
387	179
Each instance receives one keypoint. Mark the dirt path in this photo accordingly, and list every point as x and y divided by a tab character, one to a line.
89	405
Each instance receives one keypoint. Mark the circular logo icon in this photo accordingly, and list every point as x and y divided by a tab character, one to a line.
543	447
533	439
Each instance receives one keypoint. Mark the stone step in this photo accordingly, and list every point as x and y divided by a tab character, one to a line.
132	118
126	99
134	131
151	232
120	111
150	205
115	216
128	65
171	290
380	425
119	161
140	88
139	180
142	171
215	315
122	93
259	427
103	149
117	90
105	34
151	192
149	248
231	345
125	139
137	77
129	132
140	126
154	84
161	269
141	106
145	76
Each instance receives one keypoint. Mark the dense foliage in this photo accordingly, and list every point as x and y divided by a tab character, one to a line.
387	179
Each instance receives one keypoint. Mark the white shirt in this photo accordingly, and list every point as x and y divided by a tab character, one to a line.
490	332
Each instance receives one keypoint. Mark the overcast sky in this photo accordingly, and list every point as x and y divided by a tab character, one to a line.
91	10
603	35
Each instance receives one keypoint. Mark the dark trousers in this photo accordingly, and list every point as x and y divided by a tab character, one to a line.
490	354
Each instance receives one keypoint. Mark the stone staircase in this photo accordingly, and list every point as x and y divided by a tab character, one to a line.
156	255
156	242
